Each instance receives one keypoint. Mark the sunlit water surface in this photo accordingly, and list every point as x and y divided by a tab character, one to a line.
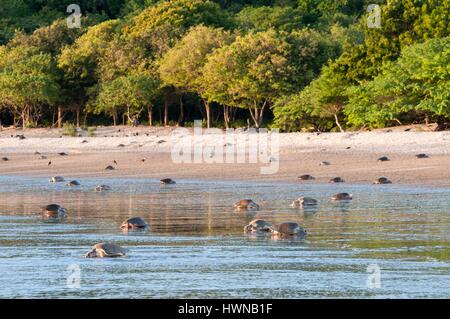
196	247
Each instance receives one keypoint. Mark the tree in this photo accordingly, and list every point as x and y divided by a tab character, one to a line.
27	81
182	66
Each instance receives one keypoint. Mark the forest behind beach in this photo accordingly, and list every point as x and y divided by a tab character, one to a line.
296	65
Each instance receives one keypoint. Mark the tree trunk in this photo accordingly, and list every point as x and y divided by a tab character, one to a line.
59	116
78	116
181	117
208	113
261	114
166	109
226	116
150	115
337	123
114	118
85	119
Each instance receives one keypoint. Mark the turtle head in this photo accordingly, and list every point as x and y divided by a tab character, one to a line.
91	254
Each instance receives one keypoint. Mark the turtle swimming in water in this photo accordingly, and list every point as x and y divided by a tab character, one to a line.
382	180
134	223
56	179
102	250
258	225
383	159
102	188
303	202
73	183
288	229
341	196
336	180
53	211
246	204
306	177
167	181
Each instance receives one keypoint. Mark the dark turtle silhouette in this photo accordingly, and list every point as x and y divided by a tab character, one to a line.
258	225
336	180
53	211
288	229
84	141
167	181
102	250
303	202
422	155
102	188
63	154
5	159
109	168
382	180
324	163
56	179
121	145
161	141
306	177
73	183
341	196
134	223
383	159
246	204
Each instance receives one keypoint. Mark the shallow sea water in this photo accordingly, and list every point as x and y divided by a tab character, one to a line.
196	247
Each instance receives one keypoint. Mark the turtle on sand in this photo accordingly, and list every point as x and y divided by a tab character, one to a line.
167	181
324	163
341	196
336	180
102	250
303	202
134	223
422	155
382	180
53	211
56	179
306	177
109	168
102	188
73	183
246	204
258	225
383	159
5	159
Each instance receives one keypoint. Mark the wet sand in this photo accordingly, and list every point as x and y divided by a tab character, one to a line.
353	156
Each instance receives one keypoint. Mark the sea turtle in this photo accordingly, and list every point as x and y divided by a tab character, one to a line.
102	188
134	223
324	163
109	168
341	196
336	180
422	155
73	183
246	204
383	159
258	225
288	229
63	154
382	180
167	181
53	211
5	159
106	250
121	145
306	177
56	179
304	201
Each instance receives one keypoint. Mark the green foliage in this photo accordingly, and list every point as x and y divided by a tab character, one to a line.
69	129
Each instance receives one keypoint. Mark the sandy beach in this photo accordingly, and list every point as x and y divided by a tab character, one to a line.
352	156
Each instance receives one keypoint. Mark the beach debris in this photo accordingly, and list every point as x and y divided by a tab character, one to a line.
341	196
56	179
102	188
134	223
382	180
306	177
73	183
288	229
53	211
258	225
303	202
102	250
246	204
336	180
422	155
383	159
167	181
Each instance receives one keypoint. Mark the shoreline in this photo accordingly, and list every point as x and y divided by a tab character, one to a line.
353	156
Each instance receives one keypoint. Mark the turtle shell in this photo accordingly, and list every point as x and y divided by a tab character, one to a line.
383	180
288	229
246	204
106	250
304	201
167	181
336	180
73	183
306	177
342	196
422	155
135	222
383	159
258	225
